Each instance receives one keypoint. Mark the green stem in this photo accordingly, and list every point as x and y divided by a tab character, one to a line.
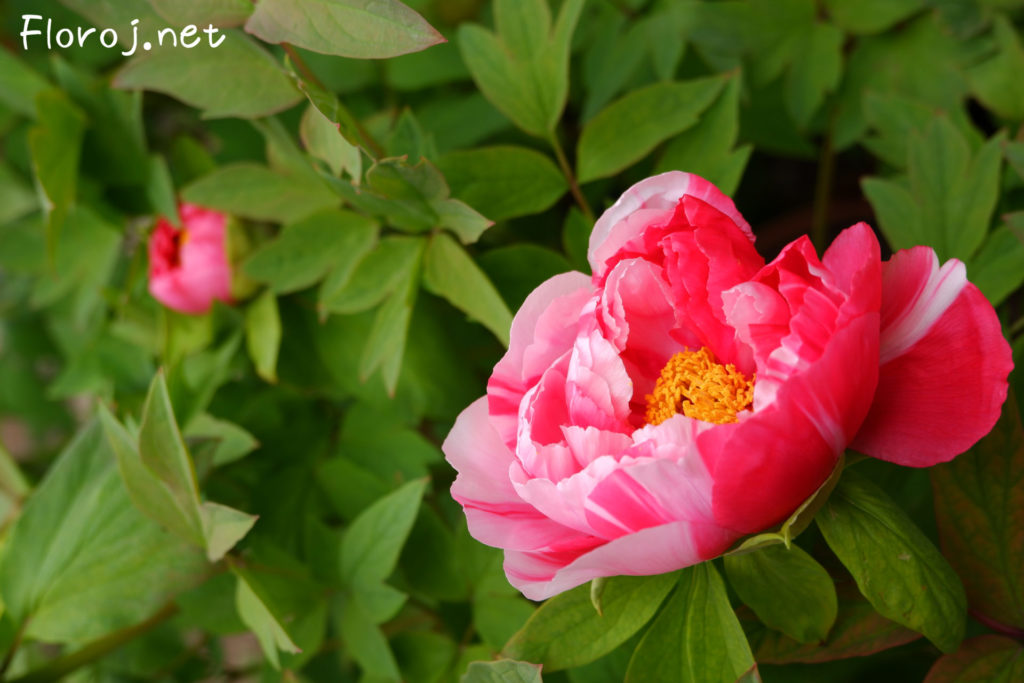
823	192
95	650
574	186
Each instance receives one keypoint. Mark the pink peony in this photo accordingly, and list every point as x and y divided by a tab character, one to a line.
189	268
688	394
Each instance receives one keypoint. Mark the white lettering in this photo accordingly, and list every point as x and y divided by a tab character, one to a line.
25	32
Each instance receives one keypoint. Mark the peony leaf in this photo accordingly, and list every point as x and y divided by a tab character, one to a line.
567	631
307	249
236	78
979	508
502	671
355	287
81	560
220	13
787	589
55	143
858	631
323	139
257	615
990	658
19	84
814	72
523	68
263	334
870	16
254	191
504	181
347	28
451	273
996	81
696	637
630	127
896	567
370	548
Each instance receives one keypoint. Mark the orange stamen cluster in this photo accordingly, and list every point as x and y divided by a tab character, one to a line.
694	384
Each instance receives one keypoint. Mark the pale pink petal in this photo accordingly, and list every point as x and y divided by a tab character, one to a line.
655	550
944	379
659	193
542	331
494	511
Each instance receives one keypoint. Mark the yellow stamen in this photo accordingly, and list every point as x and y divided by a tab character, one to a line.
694	384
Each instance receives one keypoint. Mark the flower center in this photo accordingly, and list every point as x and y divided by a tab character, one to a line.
693	384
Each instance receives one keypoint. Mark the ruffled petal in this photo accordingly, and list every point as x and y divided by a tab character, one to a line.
773	459
495	513
542	331
655	550
658	193
944	364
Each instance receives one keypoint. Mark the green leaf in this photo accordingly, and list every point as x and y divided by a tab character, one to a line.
894	117
463	220
370	548
503	182
502	671
787	589
237	78
516	270
19	84
523	69
696	638
324	140
629	128
254	191
449	272
898	215
567	631
955	193
365	642
160	190
385	345
949	197
990	658
870	16
56	144
223	528
858	631
996	81
220	13
347	28
998	267
161	480
263	334
896	567
706	149
256	615
228	441
979	508
162	452
815	71
81	561
306	249
614	52
152	496
359	286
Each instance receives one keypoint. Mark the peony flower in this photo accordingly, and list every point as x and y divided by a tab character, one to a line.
189	268
687	394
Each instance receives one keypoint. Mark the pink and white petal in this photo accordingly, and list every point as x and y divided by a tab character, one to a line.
598	389
565	501
944	377
655	550
773	459
542	331
495	513
853	261
661	192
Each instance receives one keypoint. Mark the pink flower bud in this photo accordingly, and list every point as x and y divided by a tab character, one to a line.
189	267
